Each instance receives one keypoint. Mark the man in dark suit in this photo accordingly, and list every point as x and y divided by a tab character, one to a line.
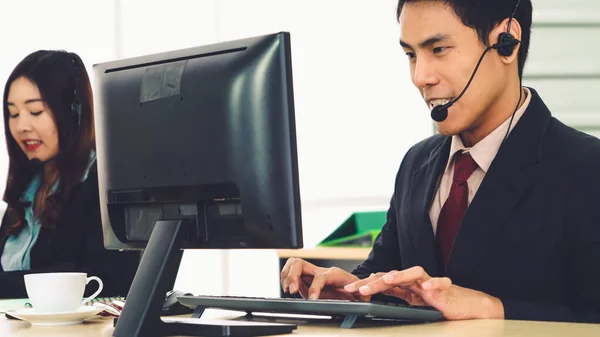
495	217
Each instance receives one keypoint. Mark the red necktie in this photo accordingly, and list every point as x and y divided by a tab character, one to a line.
455	207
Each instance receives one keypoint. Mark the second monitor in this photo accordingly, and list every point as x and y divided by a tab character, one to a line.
205	133
196	148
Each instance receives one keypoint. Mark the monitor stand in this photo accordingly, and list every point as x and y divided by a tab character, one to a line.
141	315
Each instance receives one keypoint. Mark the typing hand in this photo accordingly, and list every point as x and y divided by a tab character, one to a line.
417	288
317	282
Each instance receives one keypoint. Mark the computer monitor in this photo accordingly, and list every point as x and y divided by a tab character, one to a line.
196	148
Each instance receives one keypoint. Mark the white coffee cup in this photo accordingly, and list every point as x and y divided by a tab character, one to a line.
59	292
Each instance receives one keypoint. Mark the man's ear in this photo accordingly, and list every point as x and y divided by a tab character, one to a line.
515	32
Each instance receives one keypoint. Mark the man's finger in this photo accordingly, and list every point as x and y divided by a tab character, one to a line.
374	287
318	283
354	286
284	274
297	269
437	283
406	277
305	282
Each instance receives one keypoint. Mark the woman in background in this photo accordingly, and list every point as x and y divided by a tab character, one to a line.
52	222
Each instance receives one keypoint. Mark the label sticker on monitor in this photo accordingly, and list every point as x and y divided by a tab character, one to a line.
162	81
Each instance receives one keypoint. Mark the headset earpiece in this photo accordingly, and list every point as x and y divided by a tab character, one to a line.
506	44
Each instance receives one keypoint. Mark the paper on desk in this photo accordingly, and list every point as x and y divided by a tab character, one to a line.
217	322
14	304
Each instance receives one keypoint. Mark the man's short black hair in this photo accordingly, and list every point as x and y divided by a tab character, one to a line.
485	15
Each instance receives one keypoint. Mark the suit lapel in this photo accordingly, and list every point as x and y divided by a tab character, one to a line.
424	184
509	177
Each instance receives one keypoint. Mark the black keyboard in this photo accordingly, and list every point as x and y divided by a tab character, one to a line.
351	310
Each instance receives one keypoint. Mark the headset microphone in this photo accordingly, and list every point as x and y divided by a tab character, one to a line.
34	164
505	46
440	112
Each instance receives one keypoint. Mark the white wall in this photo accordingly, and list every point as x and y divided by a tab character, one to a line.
357	112
86	27
563	65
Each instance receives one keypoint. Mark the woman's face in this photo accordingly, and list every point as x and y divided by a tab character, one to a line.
31	122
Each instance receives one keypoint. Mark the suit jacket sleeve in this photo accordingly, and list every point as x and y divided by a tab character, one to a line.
385	254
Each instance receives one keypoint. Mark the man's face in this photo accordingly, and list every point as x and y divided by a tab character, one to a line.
443	53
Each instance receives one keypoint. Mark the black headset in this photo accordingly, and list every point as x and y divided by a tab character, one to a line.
506	42
505	46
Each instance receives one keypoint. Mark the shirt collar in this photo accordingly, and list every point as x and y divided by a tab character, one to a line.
485	150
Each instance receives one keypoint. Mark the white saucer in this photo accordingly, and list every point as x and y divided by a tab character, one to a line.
55	318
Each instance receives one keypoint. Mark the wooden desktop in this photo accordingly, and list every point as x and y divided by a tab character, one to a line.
102	327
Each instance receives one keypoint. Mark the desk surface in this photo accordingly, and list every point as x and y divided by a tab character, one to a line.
102	327
329	253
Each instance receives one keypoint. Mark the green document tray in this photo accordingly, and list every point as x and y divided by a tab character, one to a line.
359	230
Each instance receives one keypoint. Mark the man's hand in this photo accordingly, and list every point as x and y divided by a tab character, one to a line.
317	282
417	288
